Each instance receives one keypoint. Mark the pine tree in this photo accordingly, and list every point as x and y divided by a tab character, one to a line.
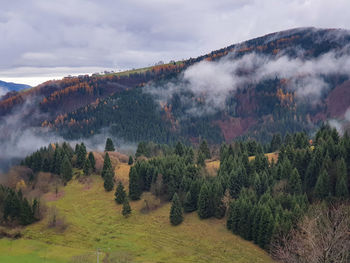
87	167
120	193
176	216
188	203
341	188
106	164
201	159
179	149
134	184
108	180
131	160
294	183
266	226
66	169
204	202
109	145
92	161
203	148
322	185
81	155
126	208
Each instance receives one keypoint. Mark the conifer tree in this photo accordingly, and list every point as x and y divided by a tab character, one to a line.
66	169
204	202
266	226
109	145
126	208
81	155
87	167
201	159
322	185
120	193
203	148
131	160
179	149
341	188
294	183
92	161
108	179
134	184
106	164
176	216
188	203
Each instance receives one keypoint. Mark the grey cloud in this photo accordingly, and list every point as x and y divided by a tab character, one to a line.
125	34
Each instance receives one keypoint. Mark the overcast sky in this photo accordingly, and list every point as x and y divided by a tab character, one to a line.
45	39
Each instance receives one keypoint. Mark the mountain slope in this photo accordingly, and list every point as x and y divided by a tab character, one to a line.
282	82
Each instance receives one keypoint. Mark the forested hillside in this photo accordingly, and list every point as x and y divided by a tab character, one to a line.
283	82
293	205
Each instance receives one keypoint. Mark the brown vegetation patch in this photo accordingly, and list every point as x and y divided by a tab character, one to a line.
338	100
53	196
233	127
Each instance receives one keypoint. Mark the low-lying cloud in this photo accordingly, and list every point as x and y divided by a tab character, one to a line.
215	80
19	138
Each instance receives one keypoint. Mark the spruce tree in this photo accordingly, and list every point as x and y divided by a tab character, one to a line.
66	169
92	161
294	183
87	167
189	206
131	160
81	156
106	164
108	180
134	184
179	149
322	185
203	148
201	159
120	193
126	208
204	202
341	188
109	145
176	216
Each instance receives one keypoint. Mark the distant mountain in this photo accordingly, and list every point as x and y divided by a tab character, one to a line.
283	82
10	86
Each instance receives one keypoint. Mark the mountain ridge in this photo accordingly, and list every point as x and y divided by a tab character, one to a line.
73	106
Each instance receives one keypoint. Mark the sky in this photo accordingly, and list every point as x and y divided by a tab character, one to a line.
46	39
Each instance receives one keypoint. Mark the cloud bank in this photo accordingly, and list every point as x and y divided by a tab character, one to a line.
75	35
215	81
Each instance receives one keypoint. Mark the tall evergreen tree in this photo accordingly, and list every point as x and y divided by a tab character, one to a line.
341	187
135	190
188	203
87	167
294	183
126	208
81	155
66	169
204	148
106	164
131	160
120	193
176	216
322	188
92	161
108	179
109	145
204	202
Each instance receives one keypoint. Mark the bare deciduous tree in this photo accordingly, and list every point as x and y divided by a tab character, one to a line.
323	235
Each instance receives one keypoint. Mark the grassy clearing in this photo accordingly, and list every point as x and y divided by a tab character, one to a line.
95	221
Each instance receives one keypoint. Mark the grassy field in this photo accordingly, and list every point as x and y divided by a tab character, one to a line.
94	221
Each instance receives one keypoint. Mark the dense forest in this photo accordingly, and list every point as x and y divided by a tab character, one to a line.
264	201
73	106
